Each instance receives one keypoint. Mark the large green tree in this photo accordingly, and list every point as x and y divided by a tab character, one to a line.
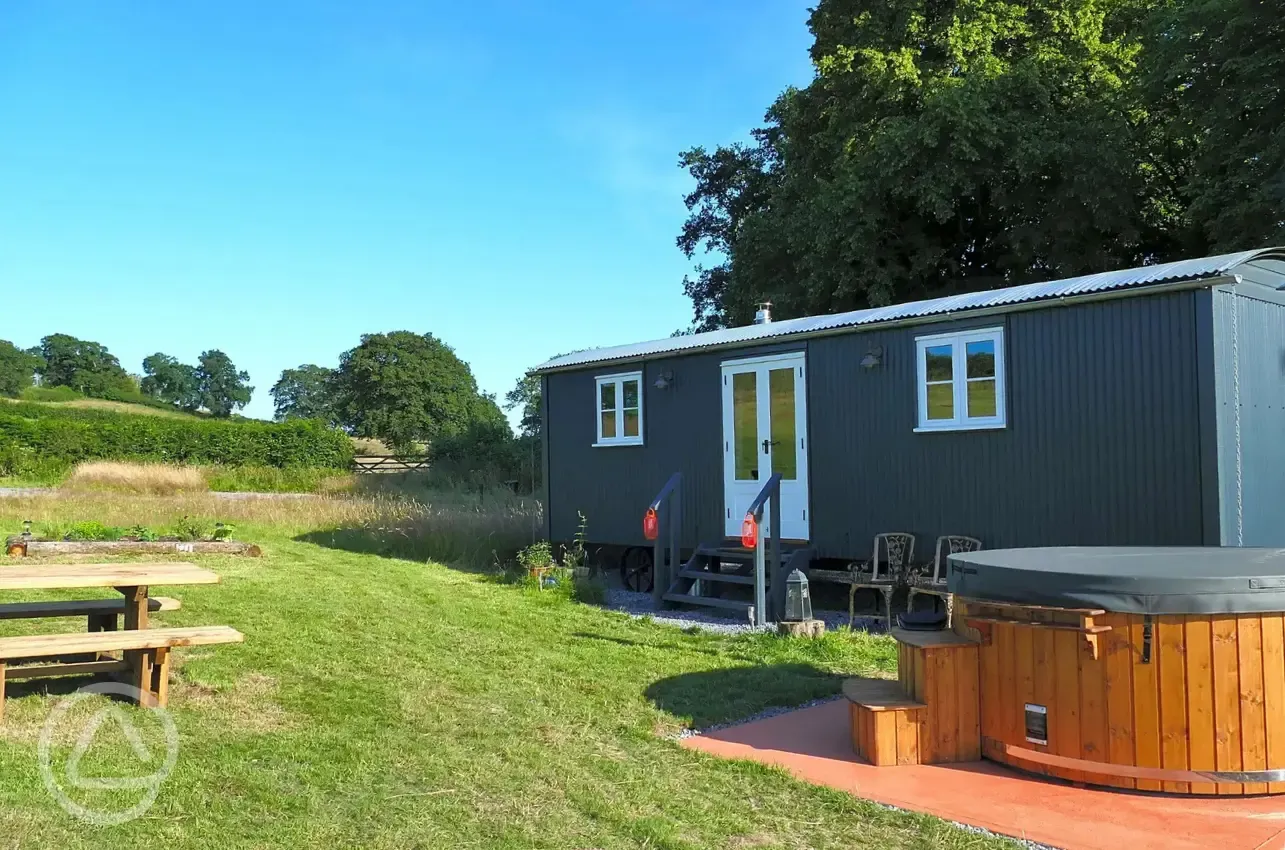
85	366
165	378
223	388
1213	77
949	145
304	393
17	368
406	389
525	396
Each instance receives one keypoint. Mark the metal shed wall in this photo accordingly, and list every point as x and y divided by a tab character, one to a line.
612	485
1249	332
1102	445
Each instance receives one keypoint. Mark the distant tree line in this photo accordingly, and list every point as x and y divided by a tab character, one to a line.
973	144
213	385
413	393
410	391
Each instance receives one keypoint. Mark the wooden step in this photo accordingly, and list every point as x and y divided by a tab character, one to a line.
707	602
887	725
736	553
710	575
726	553
879	695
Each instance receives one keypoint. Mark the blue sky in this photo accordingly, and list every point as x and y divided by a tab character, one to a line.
275	179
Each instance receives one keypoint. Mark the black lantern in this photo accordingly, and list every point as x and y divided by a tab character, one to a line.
26	529
798	601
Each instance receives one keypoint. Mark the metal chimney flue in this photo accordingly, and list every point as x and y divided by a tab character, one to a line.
764	314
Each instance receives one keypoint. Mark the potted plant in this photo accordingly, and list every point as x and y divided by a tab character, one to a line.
536	559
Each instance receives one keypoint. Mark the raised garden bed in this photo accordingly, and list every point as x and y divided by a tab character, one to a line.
93	538
18	546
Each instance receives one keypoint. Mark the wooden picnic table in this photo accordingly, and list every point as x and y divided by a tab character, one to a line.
64	576
132	580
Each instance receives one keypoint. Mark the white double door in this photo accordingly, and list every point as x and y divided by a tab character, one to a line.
765	428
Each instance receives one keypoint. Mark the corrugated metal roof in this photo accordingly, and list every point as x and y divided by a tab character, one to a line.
1181	270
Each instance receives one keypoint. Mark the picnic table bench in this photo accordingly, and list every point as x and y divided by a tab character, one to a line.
145	652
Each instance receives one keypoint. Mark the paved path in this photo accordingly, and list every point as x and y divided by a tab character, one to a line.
815	745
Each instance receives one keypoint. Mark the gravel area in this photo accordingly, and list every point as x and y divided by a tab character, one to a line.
640	605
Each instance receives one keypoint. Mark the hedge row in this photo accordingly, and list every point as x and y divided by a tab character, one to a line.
74	435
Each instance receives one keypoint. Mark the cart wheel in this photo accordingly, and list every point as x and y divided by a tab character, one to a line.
636	571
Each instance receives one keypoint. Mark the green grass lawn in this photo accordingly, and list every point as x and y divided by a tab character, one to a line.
389	703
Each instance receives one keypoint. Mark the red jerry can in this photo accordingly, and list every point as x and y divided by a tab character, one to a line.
651	524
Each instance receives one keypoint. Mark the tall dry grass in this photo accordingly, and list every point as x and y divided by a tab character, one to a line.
454	528
370	447
460	533
159	479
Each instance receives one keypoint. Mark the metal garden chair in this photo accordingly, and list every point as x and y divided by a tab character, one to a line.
935	584
887	567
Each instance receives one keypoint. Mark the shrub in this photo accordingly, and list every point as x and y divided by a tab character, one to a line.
189	530
537	556
92	530
50	394
142	533
73	435
589	590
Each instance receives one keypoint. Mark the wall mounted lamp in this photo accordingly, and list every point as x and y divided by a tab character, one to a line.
664	380
873	358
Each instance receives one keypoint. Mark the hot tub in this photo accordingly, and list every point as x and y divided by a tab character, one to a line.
1157	669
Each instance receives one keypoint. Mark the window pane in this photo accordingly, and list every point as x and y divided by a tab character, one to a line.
631	423
941	401
629	389
785	446
981	359
981	398
745	425
940	362
608	424
607	396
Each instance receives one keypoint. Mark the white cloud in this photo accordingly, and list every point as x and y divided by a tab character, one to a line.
634	157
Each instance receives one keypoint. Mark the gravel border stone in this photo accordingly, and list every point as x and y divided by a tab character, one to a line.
640	605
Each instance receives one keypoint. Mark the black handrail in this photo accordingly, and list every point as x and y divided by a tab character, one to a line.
670	485
769	495
771	487
660	577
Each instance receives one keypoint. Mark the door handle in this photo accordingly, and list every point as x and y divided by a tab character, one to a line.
767	445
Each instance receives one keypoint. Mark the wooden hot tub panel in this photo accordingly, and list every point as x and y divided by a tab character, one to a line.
1155	700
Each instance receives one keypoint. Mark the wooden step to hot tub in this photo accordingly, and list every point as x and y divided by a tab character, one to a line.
886	724
940	670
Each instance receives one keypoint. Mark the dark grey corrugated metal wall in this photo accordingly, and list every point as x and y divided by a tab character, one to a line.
1250	336
682	432
1102	445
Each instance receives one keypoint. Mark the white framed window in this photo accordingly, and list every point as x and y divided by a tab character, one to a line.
961	380
619	409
